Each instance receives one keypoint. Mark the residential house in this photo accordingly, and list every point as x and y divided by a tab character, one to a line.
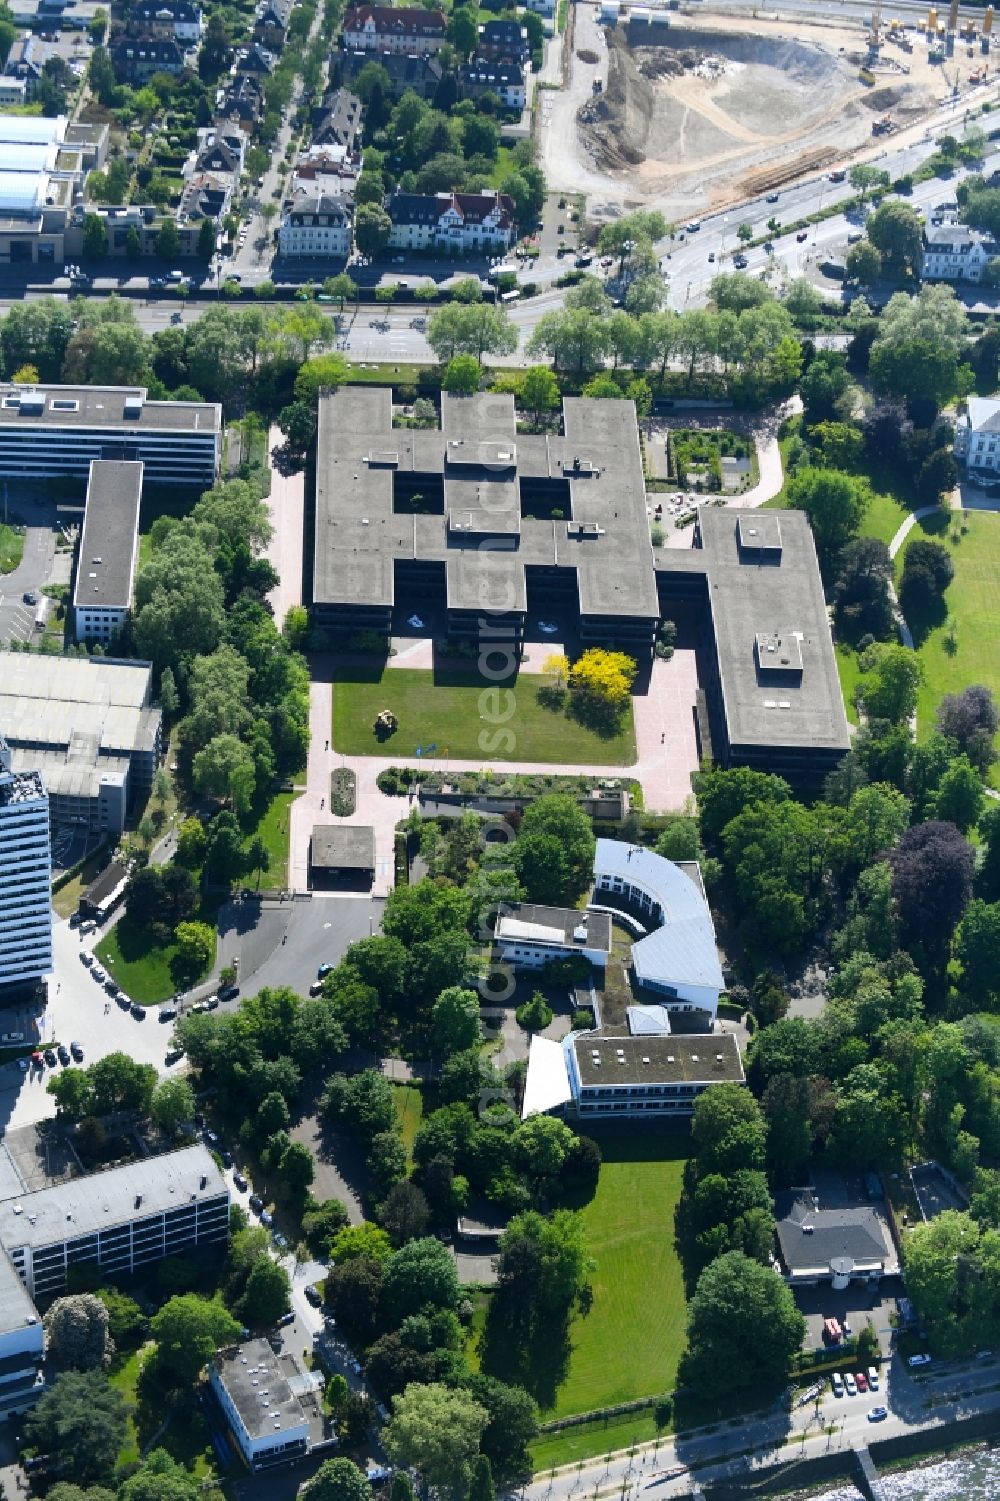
386	28
337	121
503	39
326	170
953	252
220	152
419	73
180	19
977	434
13	92
271	23
243	100
26	61
136	61
318	227
255	61
504	79
205	197
546	8
836	1245
451	222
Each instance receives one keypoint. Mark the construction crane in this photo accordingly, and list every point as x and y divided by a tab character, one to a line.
875	32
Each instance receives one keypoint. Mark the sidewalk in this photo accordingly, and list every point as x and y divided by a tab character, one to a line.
287	505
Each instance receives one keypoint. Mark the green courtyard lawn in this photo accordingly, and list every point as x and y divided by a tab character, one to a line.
630	1342
850	671
143	972
447	710
884	516
971	601
11	548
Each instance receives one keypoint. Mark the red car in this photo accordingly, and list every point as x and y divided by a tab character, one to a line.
862	1381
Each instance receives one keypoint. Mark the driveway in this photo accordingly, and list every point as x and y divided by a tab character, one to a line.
17	619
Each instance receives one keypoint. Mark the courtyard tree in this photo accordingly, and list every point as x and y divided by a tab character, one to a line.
436	1429
195	943
77	1333
455	1021
970	719
172	1105
372	227
835	504
864	262
337	1480
560	819
462	375
931	885
890	678
897	234
600	684
188	1331
83	1419
743	1330
267	1294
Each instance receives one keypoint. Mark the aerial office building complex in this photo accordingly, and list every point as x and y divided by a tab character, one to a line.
88	726
47	431
25	890
119	1220
109	549
495	526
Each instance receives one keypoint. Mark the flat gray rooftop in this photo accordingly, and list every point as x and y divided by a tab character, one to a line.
259	1389
106	563
103	406
343	847
483	539
607	1061
770	589
16	1307
524	921
97	1201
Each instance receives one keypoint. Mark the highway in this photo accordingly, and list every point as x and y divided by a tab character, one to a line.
945	1394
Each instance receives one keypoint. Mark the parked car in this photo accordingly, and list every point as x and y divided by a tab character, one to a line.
50	1057
266	1218
323	971
837	1383
316	988
241	1182
62	1053
286	1319
211	1002
862	1381
77	1051
227	1158
313	1295
86	958
99	974
850	1385
878	1414
872	1379
111	987
229	992
168	1013
256	1203
174	1056
915	1361
88	926
139	1012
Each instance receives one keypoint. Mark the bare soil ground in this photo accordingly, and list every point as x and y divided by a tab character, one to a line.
719	108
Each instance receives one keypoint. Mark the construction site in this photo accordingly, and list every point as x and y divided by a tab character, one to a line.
694	113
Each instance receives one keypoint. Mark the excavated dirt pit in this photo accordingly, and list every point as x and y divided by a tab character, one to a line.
710	112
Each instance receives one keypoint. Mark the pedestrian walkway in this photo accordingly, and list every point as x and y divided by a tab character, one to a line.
287	505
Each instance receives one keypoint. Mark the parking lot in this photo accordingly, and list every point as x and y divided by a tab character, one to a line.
854	1307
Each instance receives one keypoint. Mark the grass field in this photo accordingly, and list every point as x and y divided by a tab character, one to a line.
273	829
143	972
67	898
971	601
604	1436
630	1342
409	1102
849	670
884	517
11	548
448	711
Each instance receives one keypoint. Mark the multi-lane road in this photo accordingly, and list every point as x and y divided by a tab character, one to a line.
941	1395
